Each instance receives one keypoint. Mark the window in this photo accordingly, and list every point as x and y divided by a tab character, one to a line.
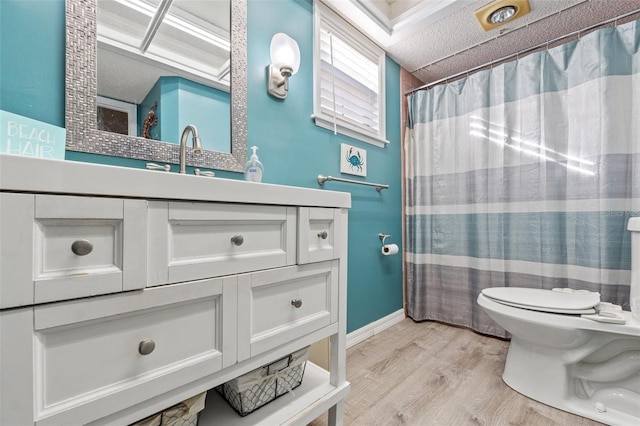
117	116
349	90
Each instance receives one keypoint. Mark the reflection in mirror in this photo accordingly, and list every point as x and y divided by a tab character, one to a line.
161	65
170	60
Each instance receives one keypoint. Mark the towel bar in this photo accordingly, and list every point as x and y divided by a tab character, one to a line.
322	179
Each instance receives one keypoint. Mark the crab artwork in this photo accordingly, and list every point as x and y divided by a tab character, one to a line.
355	160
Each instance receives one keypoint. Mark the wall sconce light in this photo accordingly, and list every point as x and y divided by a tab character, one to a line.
285	61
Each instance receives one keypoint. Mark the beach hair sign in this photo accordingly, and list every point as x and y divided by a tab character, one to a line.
27	137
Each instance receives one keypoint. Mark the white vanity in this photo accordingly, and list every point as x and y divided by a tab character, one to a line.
126	291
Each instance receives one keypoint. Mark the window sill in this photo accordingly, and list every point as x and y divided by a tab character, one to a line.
350	131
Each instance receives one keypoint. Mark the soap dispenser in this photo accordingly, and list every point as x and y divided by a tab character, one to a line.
253	170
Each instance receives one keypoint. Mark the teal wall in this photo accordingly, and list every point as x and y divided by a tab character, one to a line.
181	102
206	108
32	59
293	150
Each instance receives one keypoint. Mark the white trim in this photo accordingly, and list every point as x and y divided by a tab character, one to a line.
386	32
374	328
352	133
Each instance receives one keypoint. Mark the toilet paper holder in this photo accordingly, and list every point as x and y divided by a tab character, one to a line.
387	249
384	237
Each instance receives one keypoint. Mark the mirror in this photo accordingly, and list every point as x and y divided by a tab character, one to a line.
82	97
163	65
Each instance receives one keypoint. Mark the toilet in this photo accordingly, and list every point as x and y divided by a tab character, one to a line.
570	351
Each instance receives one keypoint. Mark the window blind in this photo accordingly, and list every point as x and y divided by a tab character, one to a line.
349	82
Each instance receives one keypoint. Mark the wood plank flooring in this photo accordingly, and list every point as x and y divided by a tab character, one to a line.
429	373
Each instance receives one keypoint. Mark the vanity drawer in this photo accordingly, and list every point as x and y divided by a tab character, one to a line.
190	241
284	304
318	229
95	357
63	247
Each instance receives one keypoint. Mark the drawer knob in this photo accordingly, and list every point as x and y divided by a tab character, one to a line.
323	235
237	240
296	303
82	247
146	347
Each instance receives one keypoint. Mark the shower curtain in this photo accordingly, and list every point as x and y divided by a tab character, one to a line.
525	175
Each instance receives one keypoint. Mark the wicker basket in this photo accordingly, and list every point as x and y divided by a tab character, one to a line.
256	388
184	414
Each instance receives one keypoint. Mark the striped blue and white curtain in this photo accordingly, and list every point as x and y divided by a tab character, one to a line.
525	175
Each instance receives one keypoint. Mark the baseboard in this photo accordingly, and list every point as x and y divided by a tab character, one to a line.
374	328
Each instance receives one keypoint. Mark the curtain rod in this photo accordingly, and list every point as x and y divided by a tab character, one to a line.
525	51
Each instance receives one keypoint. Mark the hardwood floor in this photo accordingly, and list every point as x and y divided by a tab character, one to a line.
429	373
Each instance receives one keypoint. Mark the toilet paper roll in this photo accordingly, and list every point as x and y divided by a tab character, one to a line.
389	249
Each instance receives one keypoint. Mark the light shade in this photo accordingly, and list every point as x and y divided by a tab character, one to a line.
285	52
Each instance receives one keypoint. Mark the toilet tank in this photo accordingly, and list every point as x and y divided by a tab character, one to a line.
634	296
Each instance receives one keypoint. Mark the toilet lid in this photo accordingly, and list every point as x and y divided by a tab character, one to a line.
549	310
544	300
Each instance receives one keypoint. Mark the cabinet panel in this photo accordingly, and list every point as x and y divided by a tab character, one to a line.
80	244
63	247
16	364
88	361
197	240
16	248
284	304
318	230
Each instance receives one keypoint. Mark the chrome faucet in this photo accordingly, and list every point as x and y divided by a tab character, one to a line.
197	147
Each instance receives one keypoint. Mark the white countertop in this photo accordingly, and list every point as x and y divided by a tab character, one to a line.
27	174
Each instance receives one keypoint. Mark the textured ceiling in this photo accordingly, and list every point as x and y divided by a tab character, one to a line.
455	42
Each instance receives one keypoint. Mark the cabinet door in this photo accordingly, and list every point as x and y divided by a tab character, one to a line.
318	230
65	247
281	305
97	356
191	241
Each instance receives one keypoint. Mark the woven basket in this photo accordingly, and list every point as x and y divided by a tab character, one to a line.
256	388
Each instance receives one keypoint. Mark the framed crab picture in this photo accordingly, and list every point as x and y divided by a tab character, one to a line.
353	160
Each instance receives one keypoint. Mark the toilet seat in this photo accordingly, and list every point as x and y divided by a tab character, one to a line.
558	302
549	310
